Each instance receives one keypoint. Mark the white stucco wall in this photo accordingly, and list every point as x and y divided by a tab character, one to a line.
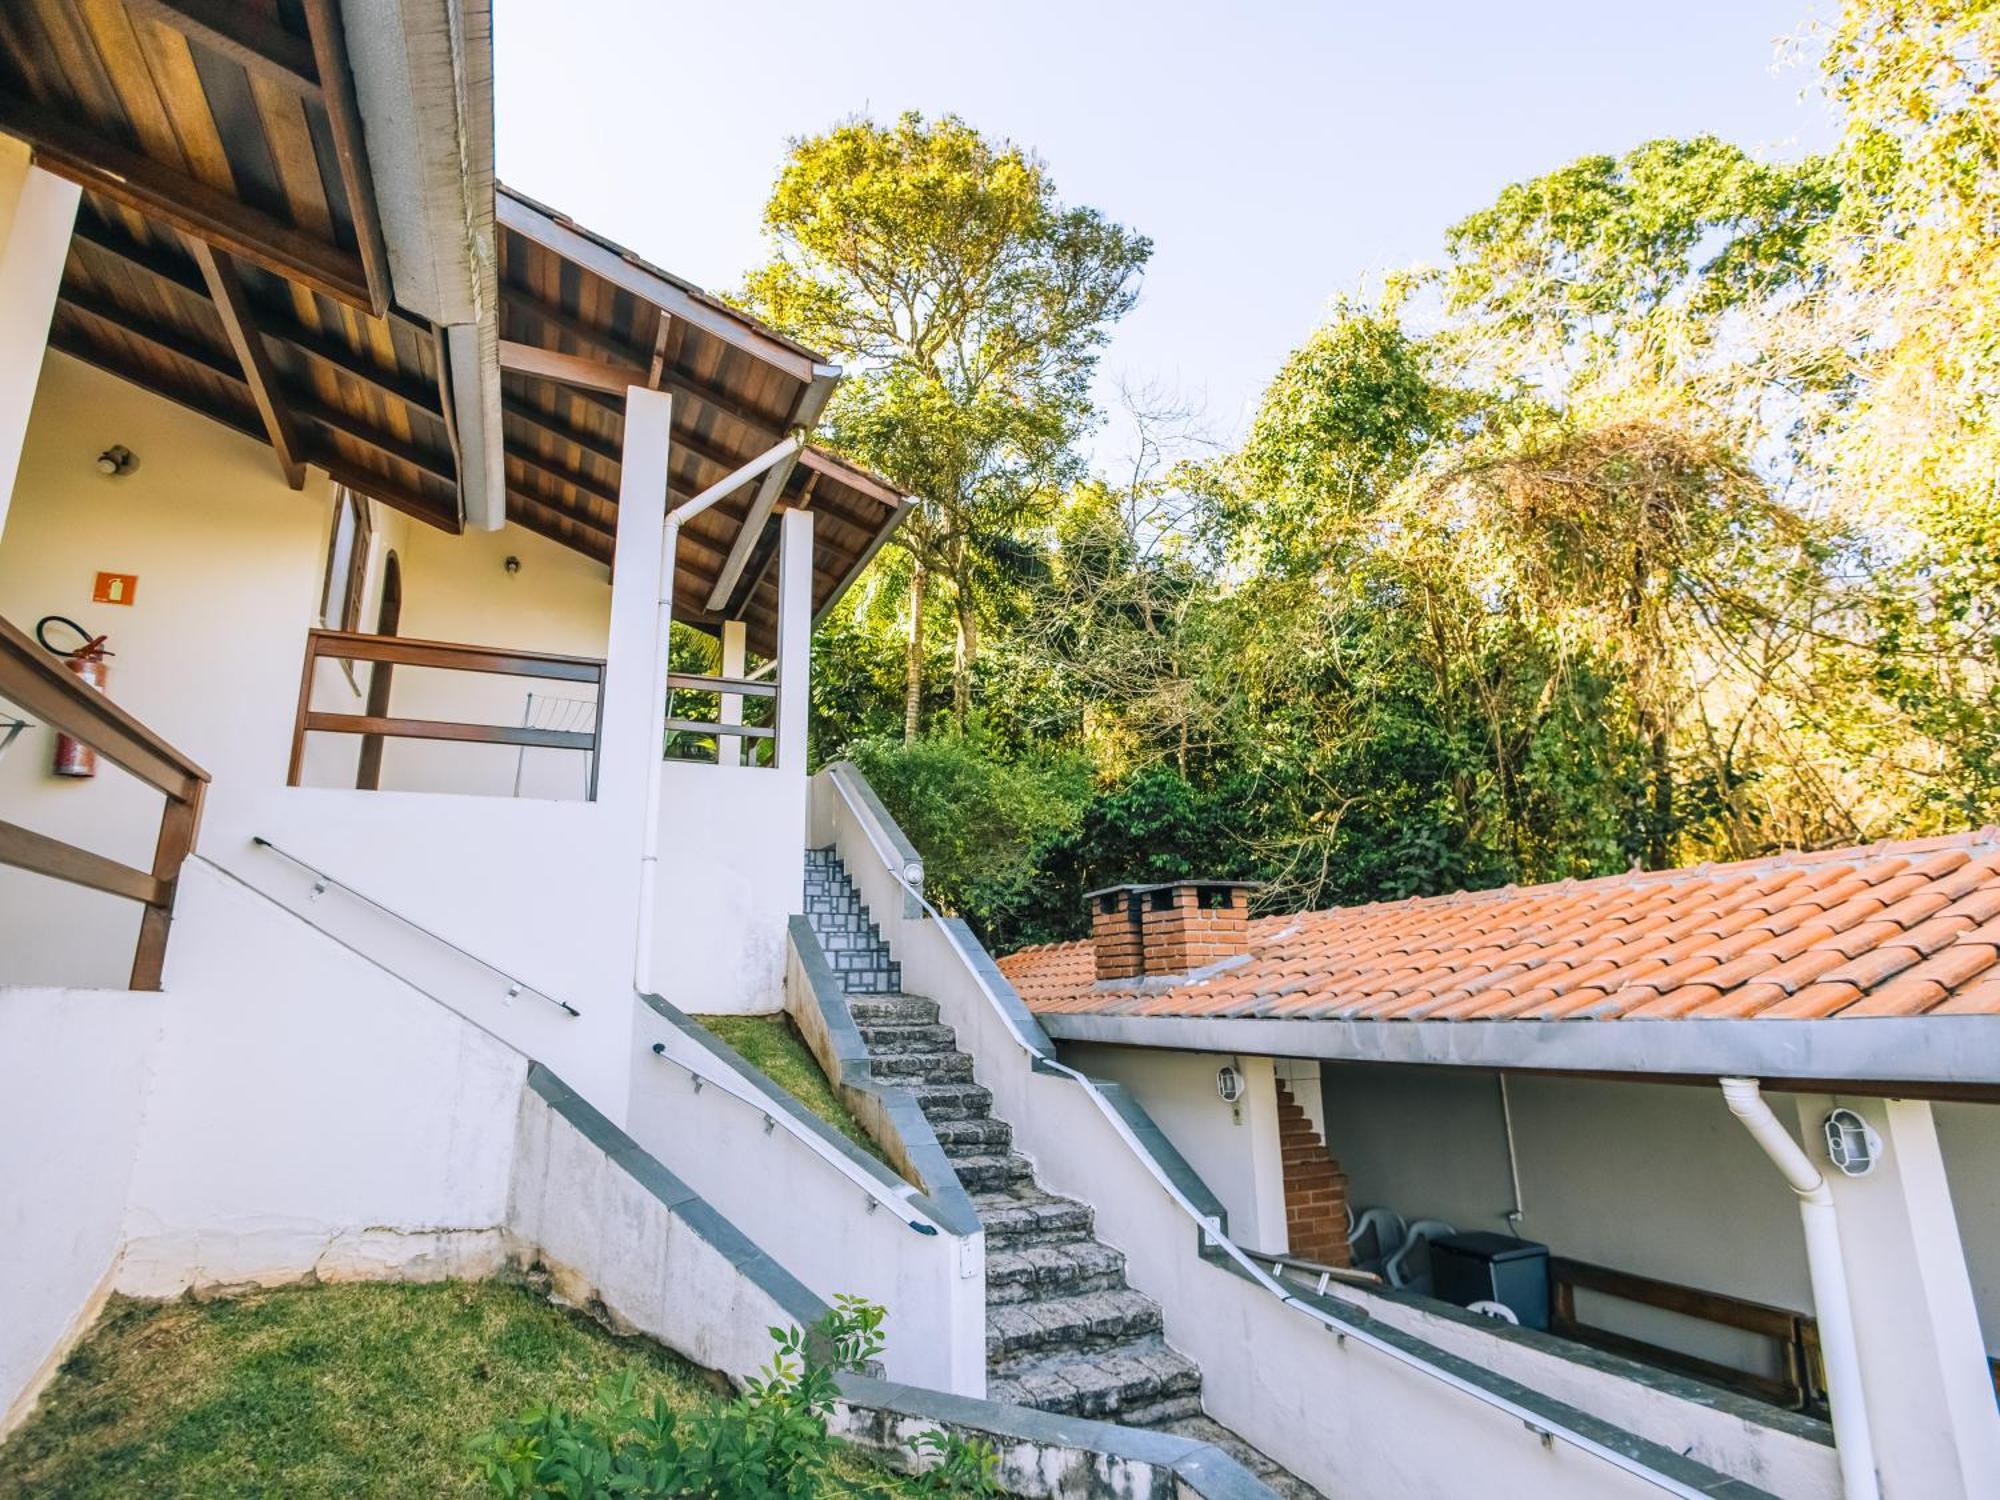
1655	1179
1234	1150
816	1221
77	1068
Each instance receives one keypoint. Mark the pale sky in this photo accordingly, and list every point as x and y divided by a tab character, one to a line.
1277	154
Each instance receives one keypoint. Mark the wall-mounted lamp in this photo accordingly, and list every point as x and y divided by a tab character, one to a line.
512	565
117	459
1851	1143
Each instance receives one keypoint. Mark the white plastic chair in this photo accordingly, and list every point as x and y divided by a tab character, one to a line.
1398	1270
1385	1226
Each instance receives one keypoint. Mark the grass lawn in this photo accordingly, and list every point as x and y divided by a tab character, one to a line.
360	1389
769	1044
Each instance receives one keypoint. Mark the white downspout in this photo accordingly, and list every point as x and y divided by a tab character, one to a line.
649	833
1853	1443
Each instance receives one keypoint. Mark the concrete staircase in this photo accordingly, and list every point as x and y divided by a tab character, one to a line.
1064	1331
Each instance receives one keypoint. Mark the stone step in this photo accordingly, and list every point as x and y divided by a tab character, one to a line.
836	940
1203	1429
1029	1216
930	1067
952	1101
885	1040
991	1173
894	1010
973	1137
1084	1320
1142	1381
1031	1271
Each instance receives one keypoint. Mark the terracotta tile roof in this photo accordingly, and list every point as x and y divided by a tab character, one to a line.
1896	929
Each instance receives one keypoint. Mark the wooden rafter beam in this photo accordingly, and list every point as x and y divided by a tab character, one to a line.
114	362
160	192
275	323
563	474
244	35
538	363
166	340
225	289
656	370
637	364
350	147
332	419
822	462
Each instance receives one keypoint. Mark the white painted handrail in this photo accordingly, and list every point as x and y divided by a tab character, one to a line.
321	880
896	1199
1212	1232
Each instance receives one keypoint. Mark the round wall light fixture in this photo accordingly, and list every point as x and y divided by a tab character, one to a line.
1228	1083
1851	1143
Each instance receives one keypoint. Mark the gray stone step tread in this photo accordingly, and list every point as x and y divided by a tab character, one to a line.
1104	1383
1028	1215
985	1172
973	1137
937	1065
1053	1265
1103	1318
885	1039
893	1007
1205	1429
951	1100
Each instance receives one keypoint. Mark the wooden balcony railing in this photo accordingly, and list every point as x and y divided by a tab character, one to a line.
729	694
42	687
392	651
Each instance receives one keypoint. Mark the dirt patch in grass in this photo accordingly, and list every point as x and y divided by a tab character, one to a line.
361	1389
773	1046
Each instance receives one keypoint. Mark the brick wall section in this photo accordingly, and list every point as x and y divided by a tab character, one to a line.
1114	934
1182	934
1315	1188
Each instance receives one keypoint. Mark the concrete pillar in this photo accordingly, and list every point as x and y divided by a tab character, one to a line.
1923	1360
37	213
729	747
635	706
795	578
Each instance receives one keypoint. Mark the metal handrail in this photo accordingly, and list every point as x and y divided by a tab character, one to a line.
515	985
878	1193
1212	1231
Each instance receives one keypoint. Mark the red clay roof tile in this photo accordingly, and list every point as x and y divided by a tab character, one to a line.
1882	930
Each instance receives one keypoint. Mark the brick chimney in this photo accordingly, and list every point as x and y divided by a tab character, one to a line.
1167	930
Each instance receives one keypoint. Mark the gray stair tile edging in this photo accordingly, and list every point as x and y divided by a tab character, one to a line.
896	1109
680	1200
1202	1468
778	1098
1654	1456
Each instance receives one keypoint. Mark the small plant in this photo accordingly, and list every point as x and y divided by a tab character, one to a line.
770	1443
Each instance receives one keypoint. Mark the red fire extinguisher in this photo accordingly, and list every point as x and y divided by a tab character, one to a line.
74	758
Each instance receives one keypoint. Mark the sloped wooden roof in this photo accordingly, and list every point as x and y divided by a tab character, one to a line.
228	256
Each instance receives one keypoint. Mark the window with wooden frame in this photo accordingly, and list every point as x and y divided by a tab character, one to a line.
346	562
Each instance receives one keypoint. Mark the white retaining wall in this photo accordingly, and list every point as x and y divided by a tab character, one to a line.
1347	1418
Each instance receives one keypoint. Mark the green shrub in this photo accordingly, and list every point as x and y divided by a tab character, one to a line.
770	1443
980	822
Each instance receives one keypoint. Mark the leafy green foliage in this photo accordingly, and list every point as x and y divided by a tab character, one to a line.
969	305
770	1443
1657	521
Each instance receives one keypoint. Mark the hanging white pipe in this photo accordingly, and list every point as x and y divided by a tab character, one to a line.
1853	1442
649	833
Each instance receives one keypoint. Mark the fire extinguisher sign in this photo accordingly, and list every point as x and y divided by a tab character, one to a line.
115	588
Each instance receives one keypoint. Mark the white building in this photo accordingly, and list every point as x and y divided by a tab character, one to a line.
457	571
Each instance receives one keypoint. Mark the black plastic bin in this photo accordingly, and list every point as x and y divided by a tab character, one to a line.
1481	1267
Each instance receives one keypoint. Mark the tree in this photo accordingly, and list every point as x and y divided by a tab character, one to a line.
970	305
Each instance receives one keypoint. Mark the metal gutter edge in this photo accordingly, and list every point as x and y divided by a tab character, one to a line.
1957	1051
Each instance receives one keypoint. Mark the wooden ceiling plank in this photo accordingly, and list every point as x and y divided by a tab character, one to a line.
110	30
225	289
172	197
244	35
112	363
167	340
820	461
428	461
442	514
562	474
350	147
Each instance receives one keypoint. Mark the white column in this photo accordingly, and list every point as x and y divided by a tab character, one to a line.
795	578
729	747
37	213
635	705
1923	1359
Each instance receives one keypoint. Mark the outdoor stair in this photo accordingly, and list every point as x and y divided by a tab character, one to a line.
1065	1332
